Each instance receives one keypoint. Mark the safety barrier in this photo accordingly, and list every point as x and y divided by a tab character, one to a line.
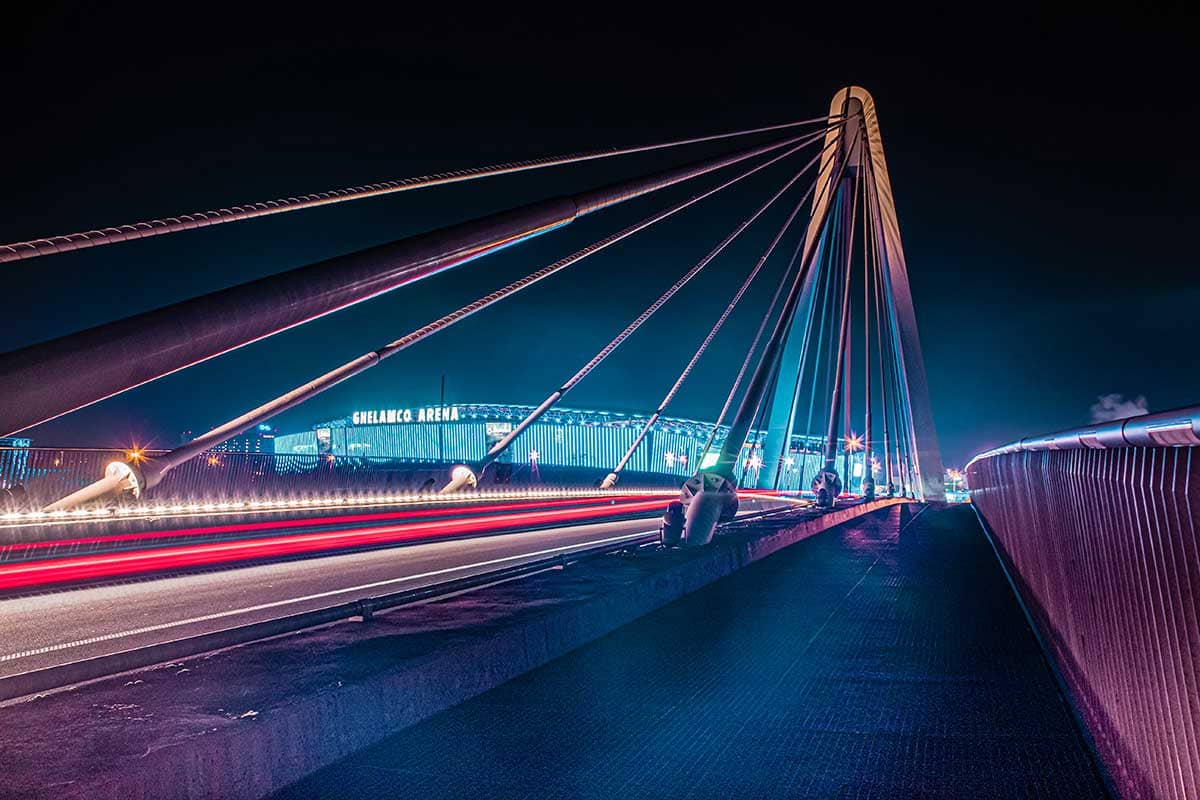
1098	529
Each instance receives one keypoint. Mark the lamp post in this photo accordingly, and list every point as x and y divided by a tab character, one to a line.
854	443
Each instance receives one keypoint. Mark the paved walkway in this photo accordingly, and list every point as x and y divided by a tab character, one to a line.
872	661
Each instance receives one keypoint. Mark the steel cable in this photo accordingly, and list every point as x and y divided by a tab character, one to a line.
733	302
595	361
18	251
159	466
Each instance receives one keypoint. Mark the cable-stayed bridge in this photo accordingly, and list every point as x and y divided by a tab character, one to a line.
827	417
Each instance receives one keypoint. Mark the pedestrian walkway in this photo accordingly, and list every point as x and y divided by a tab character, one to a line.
886	658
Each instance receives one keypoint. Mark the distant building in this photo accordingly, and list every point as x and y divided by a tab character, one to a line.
260	439
14	461
563	438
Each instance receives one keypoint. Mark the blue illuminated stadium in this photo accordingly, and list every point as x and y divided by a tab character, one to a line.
563	438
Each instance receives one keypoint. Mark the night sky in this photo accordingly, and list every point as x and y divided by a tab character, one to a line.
1044	173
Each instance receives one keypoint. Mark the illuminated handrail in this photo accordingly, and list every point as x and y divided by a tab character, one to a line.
1097	527
1179	427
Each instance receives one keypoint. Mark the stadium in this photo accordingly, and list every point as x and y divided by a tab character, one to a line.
583	444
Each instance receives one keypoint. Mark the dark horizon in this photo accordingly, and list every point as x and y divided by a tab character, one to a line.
1043	201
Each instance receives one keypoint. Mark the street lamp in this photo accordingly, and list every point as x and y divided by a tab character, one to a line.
854	443
956	479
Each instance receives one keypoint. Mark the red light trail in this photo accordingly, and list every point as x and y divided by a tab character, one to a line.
382	516
111	565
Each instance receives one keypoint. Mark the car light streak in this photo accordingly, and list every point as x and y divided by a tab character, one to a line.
77	568
291	601
19	549
21	519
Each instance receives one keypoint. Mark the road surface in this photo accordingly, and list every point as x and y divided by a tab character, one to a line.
65	625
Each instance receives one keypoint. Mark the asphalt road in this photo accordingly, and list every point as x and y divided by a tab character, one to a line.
71	624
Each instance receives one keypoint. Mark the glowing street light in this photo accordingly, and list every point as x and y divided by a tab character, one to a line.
956	478
854	443
533	455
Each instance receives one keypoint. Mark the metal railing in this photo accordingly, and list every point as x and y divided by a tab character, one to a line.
1098	528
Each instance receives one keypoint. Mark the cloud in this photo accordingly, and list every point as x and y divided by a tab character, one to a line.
1114	406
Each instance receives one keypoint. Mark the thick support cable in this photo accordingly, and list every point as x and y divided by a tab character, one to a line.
868	476
829	355
46	380
740	427
759	424
903	418
153	471
810	323
33	248
849	210
883	397
897	405
892	390
741	373
611	480
820	367
784	281
895	394
882	345
874	299
847	373
502	445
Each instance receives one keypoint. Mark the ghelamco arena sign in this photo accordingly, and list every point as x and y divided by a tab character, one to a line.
391	416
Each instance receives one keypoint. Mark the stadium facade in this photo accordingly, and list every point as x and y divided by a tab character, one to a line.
575	439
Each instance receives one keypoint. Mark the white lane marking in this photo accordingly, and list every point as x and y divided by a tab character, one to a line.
331	593
278	603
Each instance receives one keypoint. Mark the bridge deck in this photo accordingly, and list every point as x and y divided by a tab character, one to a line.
872	661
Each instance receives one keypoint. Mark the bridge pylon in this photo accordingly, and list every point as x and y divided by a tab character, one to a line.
853	184
869	163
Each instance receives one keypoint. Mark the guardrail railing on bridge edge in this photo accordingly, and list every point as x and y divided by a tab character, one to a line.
1097	526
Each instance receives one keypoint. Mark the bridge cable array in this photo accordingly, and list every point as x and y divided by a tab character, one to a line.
612	478
892	366
139	478
501	446
17	251
817	309
769	405
766	369
877	328
68	373
788	276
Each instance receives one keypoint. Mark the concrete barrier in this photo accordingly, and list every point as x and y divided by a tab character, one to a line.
247	721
